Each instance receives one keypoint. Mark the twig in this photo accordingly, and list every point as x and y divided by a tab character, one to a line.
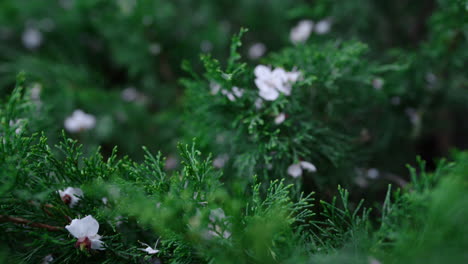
17	220
49	213
45	206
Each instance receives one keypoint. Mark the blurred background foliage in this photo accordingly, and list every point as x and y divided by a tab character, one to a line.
120	60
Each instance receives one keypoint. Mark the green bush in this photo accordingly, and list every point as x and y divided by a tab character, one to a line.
325	133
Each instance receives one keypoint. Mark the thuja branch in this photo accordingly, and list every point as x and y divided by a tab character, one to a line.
17	220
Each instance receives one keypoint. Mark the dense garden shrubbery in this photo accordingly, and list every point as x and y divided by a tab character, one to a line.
284	143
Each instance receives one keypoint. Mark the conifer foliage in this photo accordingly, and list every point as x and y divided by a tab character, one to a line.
297	141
